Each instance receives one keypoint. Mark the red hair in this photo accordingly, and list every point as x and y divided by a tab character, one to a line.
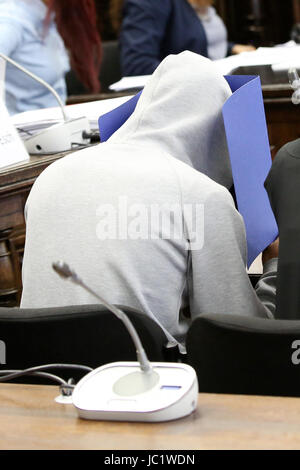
76	22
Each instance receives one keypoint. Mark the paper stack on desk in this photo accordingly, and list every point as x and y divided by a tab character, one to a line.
130	83
36	120
280	57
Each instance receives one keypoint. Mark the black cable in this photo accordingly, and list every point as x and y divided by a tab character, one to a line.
94	136
14	374
65	387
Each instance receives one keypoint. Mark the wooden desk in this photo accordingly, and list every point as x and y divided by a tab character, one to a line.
77	99
15	184
30	419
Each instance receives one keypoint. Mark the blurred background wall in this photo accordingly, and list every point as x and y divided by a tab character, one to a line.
261	22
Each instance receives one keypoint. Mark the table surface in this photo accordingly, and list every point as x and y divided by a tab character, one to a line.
23	174
31	419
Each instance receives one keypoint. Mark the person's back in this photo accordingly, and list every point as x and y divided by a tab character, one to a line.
282	185
122	226
145	218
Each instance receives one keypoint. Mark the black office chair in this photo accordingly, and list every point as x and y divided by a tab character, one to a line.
243	355
110	71
86	334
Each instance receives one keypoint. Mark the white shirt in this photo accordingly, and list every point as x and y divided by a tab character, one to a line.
24	39
216	33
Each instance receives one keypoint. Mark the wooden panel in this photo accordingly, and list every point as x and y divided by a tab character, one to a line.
11	211
296	7
15	184
11	256
261	22
283	120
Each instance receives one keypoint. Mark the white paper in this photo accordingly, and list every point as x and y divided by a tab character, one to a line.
92	110
12	149
2	79
30	129
256	267
127	83
288	53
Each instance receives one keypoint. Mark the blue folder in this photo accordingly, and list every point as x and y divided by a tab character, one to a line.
110	122
249	150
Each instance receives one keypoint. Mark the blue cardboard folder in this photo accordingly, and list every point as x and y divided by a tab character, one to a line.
249	150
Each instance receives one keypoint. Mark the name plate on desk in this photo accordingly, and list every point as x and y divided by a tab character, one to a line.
2	79
12	149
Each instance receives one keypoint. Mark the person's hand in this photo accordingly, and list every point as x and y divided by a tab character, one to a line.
238	48
271	251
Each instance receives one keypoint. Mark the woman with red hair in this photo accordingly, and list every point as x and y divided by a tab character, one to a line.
48	37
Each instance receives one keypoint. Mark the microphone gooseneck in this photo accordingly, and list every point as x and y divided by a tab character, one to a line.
65	272
39	80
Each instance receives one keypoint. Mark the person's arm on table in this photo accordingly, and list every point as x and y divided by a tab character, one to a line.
239	48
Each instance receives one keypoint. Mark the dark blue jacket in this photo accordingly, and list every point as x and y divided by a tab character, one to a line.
153	29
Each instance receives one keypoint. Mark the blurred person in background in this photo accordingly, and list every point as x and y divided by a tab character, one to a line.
152	29
47	37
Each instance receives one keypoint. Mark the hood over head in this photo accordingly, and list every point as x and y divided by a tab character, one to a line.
180	112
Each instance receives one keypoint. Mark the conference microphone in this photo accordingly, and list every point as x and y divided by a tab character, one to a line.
61	137
132	391
295	84
65	272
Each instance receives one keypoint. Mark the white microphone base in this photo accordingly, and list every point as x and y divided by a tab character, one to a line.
122	392
60	137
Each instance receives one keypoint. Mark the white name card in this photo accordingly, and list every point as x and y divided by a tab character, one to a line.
12	149
2	78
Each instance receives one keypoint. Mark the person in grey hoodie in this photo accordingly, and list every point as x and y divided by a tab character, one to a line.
146	218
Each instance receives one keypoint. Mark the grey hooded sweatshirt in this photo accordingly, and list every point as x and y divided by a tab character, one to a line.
145	219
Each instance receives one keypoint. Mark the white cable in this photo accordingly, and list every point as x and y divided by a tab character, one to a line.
39	80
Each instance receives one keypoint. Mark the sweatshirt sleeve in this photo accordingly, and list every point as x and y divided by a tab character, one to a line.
143	29
266	286
218	280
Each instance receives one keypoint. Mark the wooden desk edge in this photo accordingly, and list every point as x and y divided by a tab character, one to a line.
32	420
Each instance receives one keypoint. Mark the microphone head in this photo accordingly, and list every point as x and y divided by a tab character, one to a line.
294	78
62	269
296	97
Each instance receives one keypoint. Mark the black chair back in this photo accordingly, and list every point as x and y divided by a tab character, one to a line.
86	334
243	355
110	71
